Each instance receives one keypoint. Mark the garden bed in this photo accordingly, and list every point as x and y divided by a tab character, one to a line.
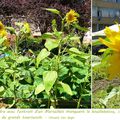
55	75
41	103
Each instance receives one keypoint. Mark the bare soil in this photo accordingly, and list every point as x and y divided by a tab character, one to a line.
102	84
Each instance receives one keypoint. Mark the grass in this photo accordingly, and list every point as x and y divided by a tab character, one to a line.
99	97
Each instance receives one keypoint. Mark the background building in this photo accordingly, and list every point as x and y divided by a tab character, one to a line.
105	13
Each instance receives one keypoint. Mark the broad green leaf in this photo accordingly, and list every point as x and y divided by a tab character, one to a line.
54	25
111	94
3	64
53	11
11	30
77	52
39	88
51	44
75	38
42	55
63	71
96	42
86	97
2	40
47	35
22	59
9	71
66	88
80	28
28	77
25	91
2	90
49	78
8	93
39	71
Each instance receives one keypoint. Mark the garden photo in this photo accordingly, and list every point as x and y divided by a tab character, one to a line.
45	54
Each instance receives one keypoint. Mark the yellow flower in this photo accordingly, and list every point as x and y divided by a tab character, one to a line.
113	69
27	28
71	16
2	30
1	26
113	39
3	33
112	42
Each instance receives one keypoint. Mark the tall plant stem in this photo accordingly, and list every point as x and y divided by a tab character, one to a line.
14	79
48	106
79	100
58	64
16	46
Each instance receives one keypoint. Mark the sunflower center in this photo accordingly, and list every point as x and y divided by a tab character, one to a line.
70	17
1	27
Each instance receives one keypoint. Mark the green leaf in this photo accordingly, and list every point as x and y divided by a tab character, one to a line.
2	90
9	71
113	93
79	53
3	64
75	51
11	30
80	28
75	38
66	88
28	77
49	78
53	11
39	88
42	55
51	44
96	42
63	71
1	40
47	35
22	59
54	25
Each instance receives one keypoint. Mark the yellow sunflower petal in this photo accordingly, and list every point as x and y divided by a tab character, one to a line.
3	33
2	30
114	68
1	26
109	44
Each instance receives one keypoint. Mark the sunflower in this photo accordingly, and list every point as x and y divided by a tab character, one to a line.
71	16
27	27
2	30
113	43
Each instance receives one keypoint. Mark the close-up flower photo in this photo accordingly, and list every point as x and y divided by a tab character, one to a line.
106	54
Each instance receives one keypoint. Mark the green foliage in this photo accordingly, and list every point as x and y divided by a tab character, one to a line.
42	55
49	78
53	11
98	69
107	98
60	70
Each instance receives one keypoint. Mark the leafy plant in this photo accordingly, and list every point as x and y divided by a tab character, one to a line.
58	71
